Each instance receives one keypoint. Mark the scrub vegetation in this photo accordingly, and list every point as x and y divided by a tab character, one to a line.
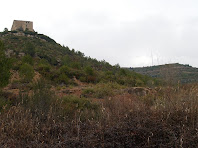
52	96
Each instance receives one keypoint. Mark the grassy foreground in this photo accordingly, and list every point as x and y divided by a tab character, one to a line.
167	117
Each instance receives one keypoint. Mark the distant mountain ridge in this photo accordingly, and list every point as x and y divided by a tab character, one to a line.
172	72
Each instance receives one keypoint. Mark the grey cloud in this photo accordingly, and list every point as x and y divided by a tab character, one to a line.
124	32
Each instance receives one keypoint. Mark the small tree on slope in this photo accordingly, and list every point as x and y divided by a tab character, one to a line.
5	65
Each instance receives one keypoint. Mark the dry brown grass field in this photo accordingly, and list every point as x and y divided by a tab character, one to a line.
167	117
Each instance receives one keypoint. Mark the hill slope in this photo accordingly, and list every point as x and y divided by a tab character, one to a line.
176	71
60	65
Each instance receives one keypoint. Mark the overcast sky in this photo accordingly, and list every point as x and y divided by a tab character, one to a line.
132	33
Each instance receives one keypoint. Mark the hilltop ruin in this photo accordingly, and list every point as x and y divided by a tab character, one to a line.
22	25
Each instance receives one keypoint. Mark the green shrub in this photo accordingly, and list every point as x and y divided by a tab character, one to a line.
26	72
102	90
44	68
139	82
123	72
65	70
66	60
108	76
28	59
89	71
40	102
44	61
72	105
29	49
82	79
76	65
63	79
88	92
5	65
16	66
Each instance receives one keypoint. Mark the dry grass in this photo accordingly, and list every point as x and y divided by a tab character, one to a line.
167	118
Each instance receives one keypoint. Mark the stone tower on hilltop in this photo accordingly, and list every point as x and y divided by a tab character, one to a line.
22	25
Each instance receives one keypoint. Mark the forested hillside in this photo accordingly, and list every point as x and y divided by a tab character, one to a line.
170	72
60	64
